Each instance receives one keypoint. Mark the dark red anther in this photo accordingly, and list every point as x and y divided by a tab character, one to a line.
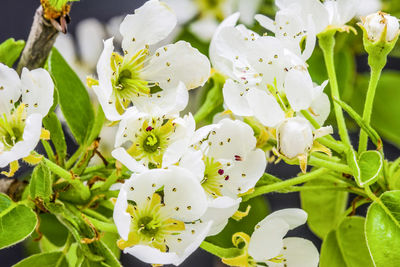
220	171
227	178
149	128
238	158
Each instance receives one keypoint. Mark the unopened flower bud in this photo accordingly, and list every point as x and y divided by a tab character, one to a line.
295	137
381	26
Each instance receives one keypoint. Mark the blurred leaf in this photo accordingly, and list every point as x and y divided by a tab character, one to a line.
10	50
259	210
324	207
40	184
52	123
382	229
346	246
73	97
50	259
17	222
51	228
386	111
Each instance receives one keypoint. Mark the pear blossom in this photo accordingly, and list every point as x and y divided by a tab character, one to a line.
146	141
23	104
267	244
157	215
211	13
296	138
381	23
141	75
369	7
231	166
261	73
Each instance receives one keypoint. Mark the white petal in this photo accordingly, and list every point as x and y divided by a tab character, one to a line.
192	160
293	217
369	7
323	131
37	91
321	107
267	239
183	194
248	9
10	91
216	42
299	89
121	155
65	45
178	62
142	186
131	122
237	139
219	211
202	133
190	240
122	219
90	34
185	10
234	96
204	28
152	255
30	139
299	252
265	108
150	24
265	22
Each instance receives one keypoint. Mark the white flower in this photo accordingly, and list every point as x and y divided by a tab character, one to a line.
139	76
232	166
23	104
157	215
381	23
152	141
295	137
268	246
261	73
369	7
211	13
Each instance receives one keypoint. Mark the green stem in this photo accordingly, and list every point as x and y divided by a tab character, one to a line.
103	226
258	191
112	179
94	168
369	103
58	170
339	167
327	44
74	157
328	188
48	149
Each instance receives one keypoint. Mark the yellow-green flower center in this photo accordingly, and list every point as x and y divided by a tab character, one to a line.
213	177
150	225
12	127
214	7
150	142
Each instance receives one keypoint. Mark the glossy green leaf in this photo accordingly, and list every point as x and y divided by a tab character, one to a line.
41	181
10	50
73	97
17	222
51	228
259	210
325	208
371	164
383	230
52	124
346	246
50	259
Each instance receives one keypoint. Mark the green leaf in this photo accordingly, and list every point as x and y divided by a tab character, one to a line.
73	97
97	125
52	123
383	229
51	228
386	111
346	246
50	259
17	222
351	157
110	240
324	207
371	163
259	210
10	50
41	181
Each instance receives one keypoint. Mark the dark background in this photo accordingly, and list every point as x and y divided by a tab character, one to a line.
15	21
